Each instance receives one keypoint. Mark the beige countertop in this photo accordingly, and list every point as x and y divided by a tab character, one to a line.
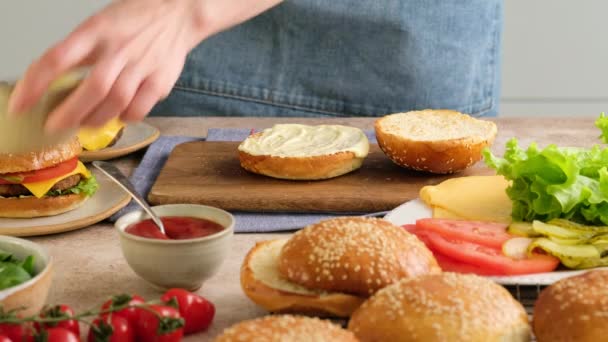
89	266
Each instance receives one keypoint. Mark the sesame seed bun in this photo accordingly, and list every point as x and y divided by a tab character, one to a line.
286	328
354	255
262	283
441	307
31	161
436	141
573	309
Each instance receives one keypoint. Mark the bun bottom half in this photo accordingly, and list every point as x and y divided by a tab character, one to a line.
301	168
29	207
275	300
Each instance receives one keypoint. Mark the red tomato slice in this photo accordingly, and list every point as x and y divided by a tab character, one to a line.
489	234
448	264
490	258
40	175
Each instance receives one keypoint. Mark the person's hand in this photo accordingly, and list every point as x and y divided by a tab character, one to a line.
135	49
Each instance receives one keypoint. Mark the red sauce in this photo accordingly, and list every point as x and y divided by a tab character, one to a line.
176	227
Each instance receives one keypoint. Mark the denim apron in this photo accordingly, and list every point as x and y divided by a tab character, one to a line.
340	58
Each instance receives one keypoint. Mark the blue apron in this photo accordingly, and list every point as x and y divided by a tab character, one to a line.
311	58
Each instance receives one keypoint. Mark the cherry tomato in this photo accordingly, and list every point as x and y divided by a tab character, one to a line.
57	335
196	310
131	313
17	332
159	323
4	338
40	175
111	328
59	311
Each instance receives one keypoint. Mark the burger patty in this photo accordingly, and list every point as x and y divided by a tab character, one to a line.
12	190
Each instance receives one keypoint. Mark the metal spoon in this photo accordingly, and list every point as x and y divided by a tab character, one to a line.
114	173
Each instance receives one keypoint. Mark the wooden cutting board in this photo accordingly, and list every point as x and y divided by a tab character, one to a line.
209	173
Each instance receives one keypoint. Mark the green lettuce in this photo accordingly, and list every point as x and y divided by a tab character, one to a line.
86	186
556	182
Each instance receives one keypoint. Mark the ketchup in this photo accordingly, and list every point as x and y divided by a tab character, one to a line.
176	227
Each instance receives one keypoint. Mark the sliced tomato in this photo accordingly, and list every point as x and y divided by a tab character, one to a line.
490	258
448	264
40	175
489	234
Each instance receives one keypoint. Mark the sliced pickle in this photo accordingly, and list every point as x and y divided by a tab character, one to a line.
524	229
568	242
560	232
577	226
571	256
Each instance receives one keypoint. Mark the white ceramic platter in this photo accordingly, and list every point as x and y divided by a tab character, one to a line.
410	211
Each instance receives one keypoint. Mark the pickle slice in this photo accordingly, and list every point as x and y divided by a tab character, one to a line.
524	229
561	232
572	256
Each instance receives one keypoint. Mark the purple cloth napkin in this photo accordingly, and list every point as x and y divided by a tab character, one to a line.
145	175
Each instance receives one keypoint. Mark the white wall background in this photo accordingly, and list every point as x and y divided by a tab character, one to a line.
555	59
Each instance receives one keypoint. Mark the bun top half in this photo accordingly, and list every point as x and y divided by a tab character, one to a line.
573	309
354	255
36	160
442	307
290	328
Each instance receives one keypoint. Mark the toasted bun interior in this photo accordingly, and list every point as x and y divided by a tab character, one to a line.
437	141
286	328
29	207
31	161
573	309
301	152
442	307
355	255
264	285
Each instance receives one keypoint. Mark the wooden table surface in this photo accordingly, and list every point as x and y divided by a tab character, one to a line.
89	266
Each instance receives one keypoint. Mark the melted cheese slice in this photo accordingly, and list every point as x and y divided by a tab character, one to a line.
39	189
93	139
478	198
295	140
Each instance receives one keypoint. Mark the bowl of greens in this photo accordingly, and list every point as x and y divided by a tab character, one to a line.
25	275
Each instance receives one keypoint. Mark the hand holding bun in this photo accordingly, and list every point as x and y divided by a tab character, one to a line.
436	141
286	328
441	307
573	309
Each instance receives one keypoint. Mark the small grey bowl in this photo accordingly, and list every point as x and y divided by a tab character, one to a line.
177	263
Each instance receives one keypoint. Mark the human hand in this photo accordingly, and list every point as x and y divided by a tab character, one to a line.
135	51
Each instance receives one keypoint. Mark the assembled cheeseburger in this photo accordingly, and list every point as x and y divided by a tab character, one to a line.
44	183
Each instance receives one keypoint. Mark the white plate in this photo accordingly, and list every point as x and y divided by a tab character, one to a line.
106	201
410	211
134	137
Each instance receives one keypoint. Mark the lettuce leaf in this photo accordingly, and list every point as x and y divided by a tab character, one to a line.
556	182
86	186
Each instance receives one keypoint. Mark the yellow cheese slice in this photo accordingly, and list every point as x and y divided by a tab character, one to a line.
93	139
480	198
439	212
40	189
